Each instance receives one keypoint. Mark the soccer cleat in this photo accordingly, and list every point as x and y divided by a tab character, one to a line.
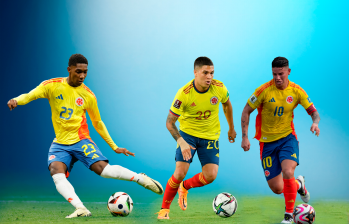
79	212
182	197
287	219
163	214
151	184
305	195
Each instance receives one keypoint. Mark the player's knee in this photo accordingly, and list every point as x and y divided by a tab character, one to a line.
288	173
277	190
180	174
210	177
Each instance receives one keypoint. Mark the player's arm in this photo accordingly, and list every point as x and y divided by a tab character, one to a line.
228	112
315	116
171	127
245	120
100	127
38	92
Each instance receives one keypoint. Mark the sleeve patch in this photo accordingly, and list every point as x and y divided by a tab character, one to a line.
253	98
177	104
309	100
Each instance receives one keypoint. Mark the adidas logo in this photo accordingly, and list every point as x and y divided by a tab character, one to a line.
272	100
60	97
294	155
193	104
217	155
95	156
291	201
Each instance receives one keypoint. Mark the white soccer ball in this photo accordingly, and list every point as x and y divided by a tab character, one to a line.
303	213
120	204
224	205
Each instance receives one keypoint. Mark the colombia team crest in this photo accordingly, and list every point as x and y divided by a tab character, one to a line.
289	99
267	173
79	101
214	100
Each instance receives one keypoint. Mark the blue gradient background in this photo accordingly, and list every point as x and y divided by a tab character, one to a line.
140	53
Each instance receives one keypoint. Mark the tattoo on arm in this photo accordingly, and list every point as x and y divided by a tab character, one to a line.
171	126
315	117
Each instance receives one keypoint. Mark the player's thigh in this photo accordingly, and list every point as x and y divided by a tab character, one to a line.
276	184
270	160
98	166
181	170
59	159
289	155
191	140
208	152
88	153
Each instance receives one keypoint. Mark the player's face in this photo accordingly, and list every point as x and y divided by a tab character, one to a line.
203	77
280	77
77	74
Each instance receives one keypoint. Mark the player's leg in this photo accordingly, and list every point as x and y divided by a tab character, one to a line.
90	155
58	158
172	187
208	153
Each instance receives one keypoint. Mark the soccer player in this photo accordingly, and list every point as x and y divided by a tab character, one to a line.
196	106
279	150
69	99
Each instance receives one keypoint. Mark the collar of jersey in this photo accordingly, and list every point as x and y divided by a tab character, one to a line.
198	90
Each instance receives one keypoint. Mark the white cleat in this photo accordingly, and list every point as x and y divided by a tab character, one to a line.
287	219
305	195
151	184
79	212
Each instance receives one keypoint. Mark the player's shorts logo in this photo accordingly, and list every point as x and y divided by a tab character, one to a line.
267	173
51	157
214	100
289	99
79	101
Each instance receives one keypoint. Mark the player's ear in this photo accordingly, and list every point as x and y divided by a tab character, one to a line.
69	69
289	71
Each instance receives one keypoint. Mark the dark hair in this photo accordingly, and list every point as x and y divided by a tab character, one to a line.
279	62
201	61
77	58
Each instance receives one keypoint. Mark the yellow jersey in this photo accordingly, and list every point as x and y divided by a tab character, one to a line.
68	106
275	109
198	111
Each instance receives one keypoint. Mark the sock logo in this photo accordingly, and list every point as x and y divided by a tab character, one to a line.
291	201
70	199
132	178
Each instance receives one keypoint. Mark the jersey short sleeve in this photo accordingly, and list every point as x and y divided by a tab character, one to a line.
225	95
305	100
178	103
255	99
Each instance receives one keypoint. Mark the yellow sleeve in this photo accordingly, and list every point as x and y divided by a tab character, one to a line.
178	103
39	92
256	99
305	101
225	94
98	124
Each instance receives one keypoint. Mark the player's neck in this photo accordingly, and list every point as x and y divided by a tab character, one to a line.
283	87
200	88
71	83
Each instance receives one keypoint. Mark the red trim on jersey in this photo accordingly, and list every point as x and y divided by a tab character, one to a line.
187	90
261	146
215	83
311	109
259	123
85	87
52	80
292	126
263	87
177	115
83	130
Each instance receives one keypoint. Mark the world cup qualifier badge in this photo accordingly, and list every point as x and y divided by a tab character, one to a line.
214	100
79	101
289	99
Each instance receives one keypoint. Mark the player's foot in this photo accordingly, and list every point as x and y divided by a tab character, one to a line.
287	219
305	195
79	212
151	184
182	197
163	214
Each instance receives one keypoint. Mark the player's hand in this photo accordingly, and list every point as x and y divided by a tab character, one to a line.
123	151
315	127
245	144
12	104
185	148
231	135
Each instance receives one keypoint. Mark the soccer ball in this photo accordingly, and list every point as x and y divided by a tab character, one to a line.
224	205
120	204
303	213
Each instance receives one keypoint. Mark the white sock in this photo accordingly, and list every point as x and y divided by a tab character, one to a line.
121	173
65	188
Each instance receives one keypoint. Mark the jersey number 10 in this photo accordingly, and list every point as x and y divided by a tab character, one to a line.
279	112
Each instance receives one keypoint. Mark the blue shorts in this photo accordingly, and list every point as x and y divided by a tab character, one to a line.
86	151
273	153
208	150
